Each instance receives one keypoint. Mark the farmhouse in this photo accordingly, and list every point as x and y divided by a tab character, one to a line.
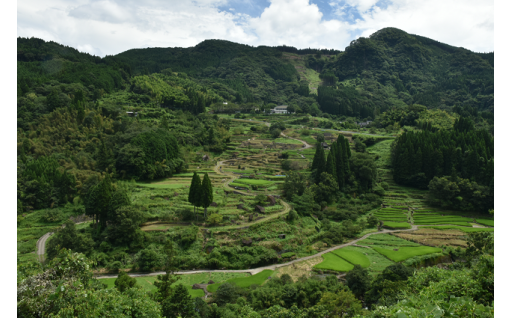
364	123
283	109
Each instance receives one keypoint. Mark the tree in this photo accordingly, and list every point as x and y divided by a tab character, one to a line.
326	188
124	228
206	193
194	193
164	283
124	282
295	183
215	218
358	280
179	304
69	238
330	167
260	199
53	100
318	165
148	260
341	304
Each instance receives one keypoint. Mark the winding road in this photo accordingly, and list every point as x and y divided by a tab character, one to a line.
256	270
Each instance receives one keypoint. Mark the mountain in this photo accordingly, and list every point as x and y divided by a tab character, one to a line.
390	69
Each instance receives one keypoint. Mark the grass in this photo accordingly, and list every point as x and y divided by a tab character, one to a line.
244	282
188	280
442	222
397	225
255	182
487	222
335	263
462	228
406	252
287	141
354	257
162	186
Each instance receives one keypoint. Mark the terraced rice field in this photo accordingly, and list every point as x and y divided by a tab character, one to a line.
244	282
405	252
354	257
462	228
335	263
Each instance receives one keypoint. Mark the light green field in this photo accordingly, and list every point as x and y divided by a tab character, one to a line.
487	222
255	182
354	257
163	186
287	141
406	252
335	263
462	228
244	282
188	280
442	222
397	225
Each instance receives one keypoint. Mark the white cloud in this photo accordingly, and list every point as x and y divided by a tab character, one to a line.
112	26
297	23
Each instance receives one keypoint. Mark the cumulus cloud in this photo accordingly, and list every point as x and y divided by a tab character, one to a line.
111	26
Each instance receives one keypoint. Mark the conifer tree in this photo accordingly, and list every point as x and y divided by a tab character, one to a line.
194	194
318	164
330	167
206	193
340	167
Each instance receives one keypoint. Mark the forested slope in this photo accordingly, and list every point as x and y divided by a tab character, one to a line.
394	68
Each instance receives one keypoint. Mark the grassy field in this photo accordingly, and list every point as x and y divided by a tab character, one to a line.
258	182
287	141
462	228
433	237
397	225
187	280
335	263
406	252
354	257
487	222
244	282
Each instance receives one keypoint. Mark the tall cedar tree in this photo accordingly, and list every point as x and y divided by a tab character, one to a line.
194	194
207	194
330	167
340	171
318	161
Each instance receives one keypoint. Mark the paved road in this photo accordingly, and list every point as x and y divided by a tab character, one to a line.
254	271
41	246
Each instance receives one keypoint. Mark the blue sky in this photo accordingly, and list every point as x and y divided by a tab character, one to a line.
104	27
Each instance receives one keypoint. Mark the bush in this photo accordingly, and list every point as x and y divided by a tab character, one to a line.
384	185
148	260
186	214
51	216
115	266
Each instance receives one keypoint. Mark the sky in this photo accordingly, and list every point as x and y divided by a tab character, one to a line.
109	27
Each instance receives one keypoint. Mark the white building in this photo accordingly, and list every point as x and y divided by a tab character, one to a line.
283	109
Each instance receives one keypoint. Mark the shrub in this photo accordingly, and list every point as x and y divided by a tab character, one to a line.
115	266
384	185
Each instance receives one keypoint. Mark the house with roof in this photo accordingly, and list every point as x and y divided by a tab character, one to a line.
282	109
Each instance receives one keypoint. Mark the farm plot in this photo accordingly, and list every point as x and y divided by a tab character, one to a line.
433	237
354	257
424	218
335	263
386	240
256	182
257	279
462	228
396	225
405	252
487	222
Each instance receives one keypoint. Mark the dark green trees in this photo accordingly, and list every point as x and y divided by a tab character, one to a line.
124	282
179	304
318	165
206	193
194	193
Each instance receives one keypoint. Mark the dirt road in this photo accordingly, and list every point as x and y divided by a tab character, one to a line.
254	271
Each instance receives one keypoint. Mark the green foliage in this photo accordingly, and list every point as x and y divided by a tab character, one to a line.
69	238
124	282
215	218
178	304
358	280
405	252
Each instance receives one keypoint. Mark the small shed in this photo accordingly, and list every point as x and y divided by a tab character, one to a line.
325	145
214	204
260	209
206	158
240	206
